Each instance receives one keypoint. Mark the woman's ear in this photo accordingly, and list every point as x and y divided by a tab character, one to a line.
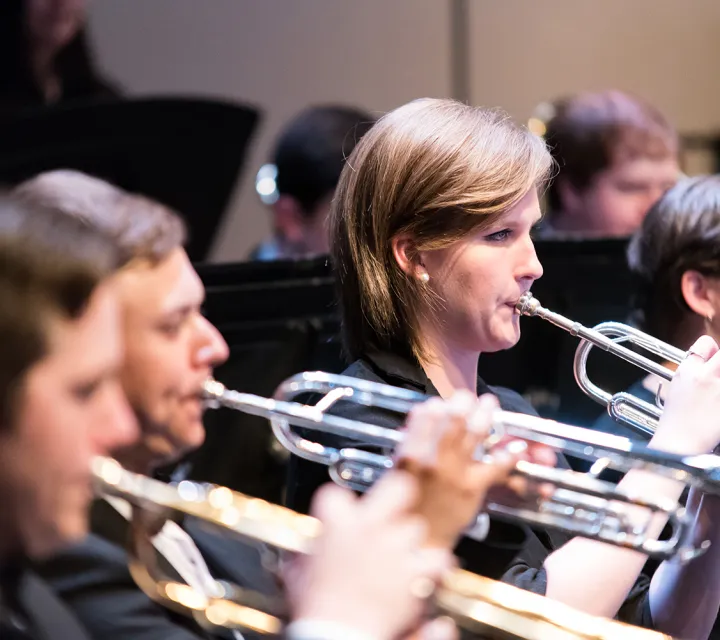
406	256
698	293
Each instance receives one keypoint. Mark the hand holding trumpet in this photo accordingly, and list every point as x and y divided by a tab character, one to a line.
376	535
407	524
690	422
445	451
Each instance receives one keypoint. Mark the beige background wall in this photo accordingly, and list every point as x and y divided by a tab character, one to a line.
279	54
285	54
666	50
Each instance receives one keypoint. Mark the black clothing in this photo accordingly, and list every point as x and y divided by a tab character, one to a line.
94	580
29	610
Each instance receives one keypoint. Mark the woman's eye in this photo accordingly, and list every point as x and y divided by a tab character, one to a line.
499	236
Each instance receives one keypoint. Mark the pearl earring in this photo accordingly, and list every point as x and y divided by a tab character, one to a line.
424	277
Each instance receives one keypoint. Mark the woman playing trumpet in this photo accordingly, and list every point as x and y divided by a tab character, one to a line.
431	242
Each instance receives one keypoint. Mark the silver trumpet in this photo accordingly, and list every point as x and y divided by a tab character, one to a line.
623	407
478	604
580	503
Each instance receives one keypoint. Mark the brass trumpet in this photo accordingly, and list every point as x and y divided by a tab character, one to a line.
478	604
581	504
623	407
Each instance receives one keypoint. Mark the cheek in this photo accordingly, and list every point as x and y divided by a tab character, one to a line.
156	364
479	283
612	204
57	443
470	298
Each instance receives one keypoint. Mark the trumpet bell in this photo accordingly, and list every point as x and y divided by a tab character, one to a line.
633	412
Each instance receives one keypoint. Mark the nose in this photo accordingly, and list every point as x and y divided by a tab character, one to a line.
118	426
529	268
212	350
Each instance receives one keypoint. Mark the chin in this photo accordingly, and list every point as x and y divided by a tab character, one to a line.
500	346
502	343
499	336
193	436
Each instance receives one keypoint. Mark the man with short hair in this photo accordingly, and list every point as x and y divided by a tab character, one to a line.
616	155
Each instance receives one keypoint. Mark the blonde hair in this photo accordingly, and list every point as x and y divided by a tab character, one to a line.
433	170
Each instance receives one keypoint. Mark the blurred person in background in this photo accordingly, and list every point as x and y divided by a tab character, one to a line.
300	182
616	155
45	58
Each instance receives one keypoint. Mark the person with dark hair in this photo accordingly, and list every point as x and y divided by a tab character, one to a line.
674	258
616	155
431	242
45	58
61	403
299	184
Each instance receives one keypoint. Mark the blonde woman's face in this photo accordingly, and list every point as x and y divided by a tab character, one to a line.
481	277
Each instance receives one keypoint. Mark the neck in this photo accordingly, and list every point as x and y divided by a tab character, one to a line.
448	367
154	451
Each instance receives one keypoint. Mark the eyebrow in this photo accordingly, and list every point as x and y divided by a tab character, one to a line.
178	311
184	308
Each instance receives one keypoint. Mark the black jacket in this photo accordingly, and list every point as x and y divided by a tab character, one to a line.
93	579
29	610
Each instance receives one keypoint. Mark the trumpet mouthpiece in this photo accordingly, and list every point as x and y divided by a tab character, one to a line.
213	392
527	305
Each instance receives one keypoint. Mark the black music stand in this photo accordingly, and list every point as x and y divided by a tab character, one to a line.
279	318
184	152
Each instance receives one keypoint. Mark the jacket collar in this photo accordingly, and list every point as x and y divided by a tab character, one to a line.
401	371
